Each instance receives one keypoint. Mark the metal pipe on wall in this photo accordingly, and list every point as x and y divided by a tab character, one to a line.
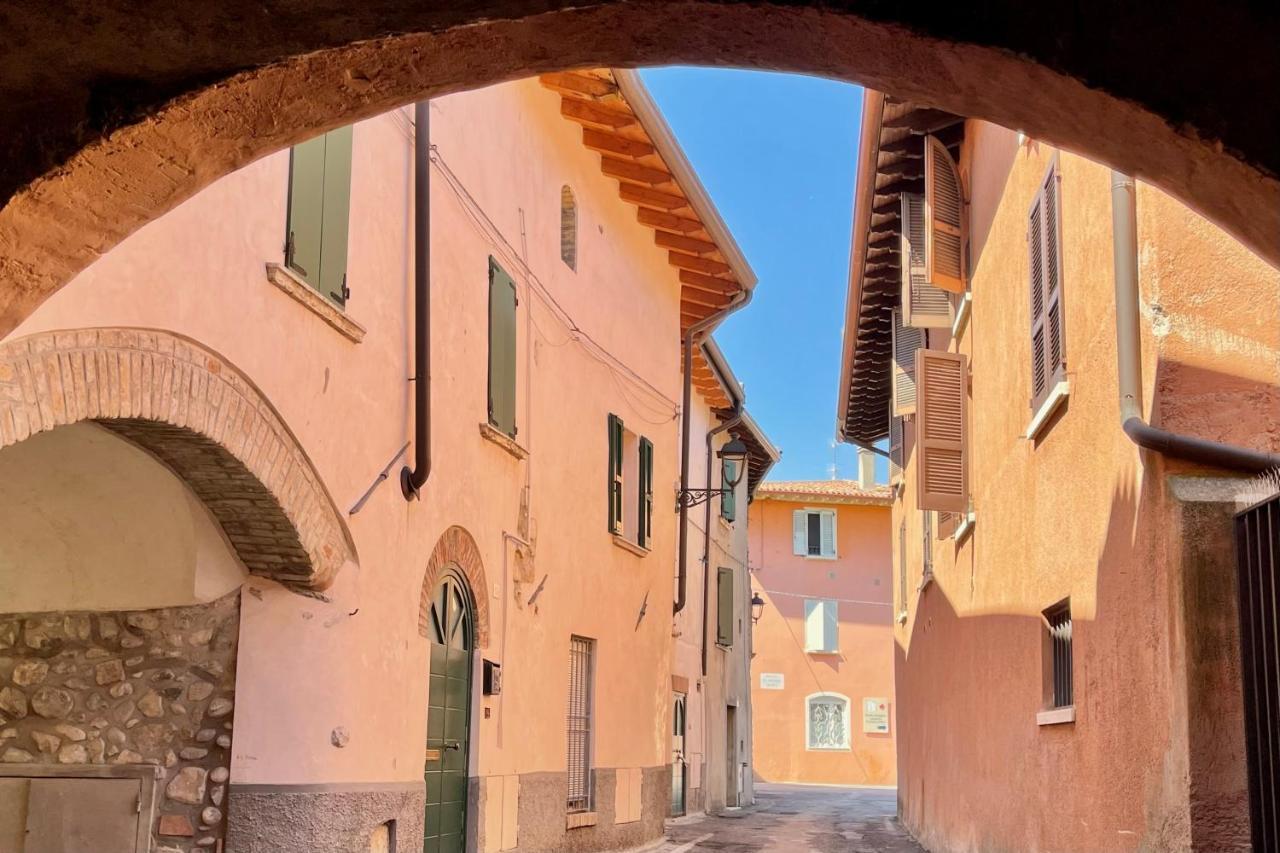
1124	216
686	401
413	479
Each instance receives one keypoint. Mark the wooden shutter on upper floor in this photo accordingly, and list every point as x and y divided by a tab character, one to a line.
905	341
724	607
923	305
944	219
947	523
644	529
800	533
942	476
614	474
337	214
502	349
728	495
1044	255
827	526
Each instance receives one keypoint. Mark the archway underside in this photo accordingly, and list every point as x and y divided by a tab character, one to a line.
117	137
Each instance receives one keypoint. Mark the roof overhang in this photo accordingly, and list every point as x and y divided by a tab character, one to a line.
637	148
890	162
763	454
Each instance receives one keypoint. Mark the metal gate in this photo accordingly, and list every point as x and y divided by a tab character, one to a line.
1258	558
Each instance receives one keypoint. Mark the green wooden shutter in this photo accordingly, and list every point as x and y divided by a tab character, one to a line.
615	474
724	607
320	212
306	208
337	214
644	530
728	495
502	349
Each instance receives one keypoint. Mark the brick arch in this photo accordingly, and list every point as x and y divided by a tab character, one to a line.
96	148
455	547
191	409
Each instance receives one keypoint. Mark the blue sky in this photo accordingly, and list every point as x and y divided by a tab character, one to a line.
778	154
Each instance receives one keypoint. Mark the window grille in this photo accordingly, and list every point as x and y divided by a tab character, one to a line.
579	722
568	228
1058	619
902	569
928	547
827	724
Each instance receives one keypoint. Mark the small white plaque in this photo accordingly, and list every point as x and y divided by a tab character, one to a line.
772	681
875	716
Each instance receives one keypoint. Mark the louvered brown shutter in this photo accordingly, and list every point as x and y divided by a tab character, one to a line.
940	431
644	532
944	218
895	447
502	349
947	523
906	340
923	305
1048	350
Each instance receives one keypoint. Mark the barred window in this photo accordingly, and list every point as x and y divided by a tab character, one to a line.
568	228
582	652
827	721
1060	689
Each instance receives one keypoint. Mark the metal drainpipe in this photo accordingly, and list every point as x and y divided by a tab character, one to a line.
413	479
682	573
1124	214
706	530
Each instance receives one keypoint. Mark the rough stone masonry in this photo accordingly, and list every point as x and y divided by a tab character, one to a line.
142	687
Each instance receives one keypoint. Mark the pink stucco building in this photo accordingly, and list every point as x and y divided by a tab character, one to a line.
822	676
220	605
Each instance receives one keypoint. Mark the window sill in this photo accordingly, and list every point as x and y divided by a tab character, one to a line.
491	433
307	296
822	651
1056	398
828	749
962	318
965	528
821	557
577	820
627	545
1056	716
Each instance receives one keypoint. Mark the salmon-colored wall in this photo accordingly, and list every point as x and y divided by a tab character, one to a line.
354	657
859	580
1078	513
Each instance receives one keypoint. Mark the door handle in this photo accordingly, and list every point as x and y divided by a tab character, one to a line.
453	745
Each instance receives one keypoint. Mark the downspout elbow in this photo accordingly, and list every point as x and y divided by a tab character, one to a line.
1129	354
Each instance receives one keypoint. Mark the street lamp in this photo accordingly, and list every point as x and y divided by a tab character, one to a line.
757	607
735	452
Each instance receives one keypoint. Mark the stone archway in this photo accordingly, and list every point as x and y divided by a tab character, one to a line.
456	547
201	417
97	147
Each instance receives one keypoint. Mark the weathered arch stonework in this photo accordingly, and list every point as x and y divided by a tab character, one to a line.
455	547
201	417
95	148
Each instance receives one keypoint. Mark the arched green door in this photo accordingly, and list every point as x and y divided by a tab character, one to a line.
448	718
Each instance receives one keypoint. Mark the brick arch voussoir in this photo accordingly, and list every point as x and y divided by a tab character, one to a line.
200	416
457	548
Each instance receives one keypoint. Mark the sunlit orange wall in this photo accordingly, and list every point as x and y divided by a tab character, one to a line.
859	578
1080	513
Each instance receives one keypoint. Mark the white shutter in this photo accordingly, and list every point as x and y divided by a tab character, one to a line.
923	305
831	626
813	625
799	533
828	533
906	340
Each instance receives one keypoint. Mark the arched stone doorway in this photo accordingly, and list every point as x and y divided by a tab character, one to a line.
111	143
142	478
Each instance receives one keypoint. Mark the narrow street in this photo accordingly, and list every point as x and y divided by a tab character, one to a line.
798	819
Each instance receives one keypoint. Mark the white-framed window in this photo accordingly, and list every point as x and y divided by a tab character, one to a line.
826	721
821	626
814	533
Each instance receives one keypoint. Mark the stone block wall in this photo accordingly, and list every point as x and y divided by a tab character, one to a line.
142	687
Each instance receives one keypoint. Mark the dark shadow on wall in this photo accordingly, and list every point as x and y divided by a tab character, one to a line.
1157	745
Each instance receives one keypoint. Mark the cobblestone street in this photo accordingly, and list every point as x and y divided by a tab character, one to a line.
798	819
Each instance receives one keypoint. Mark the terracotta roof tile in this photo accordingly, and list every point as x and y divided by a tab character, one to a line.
841	491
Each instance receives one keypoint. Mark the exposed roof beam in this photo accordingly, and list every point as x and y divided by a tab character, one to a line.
599	140
579	84
668	240
591	113
631	171
651	198
698	264
667	221
708	283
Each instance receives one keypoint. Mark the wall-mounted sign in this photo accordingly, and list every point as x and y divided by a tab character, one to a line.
875	716
772	681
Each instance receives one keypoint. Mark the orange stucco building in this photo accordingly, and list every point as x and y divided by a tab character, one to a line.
822	676
221	621
1068	652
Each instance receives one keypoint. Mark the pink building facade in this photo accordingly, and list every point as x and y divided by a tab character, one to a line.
822	675
220	604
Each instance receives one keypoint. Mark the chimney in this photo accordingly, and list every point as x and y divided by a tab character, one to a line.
866	469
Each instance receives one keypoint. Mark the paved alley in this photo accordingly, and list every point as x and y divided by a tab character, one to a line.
798	819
